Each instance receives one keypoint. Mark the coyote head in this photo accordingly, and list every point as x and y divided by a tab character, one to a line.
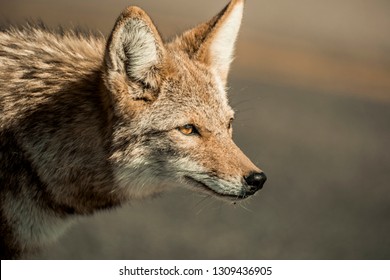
171	115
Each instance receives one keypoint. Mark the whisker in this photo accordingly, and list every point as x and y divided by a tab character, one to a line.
245	208
203	199
206	205
239	103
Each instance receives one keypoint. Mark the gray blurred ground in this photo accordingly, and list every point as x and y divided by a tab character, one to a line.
311	86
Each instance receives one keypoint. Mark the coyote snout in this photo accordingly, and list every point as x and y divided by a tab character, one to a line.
217	166
249	186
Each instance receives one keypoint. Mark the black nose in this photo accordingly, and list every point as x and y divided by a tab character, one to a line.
255	181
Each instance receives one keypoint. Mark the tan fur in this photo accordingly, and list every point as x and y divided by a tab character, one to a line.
87	124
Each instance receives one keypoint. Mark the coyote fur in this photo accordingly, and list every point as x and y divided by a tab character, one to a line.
88	124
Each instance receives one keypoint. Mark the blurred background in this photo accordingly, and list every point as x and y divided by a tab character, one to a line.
311	87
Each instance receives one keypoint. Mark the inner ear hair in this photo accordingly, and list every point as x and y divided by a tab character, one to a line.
135	48
213	42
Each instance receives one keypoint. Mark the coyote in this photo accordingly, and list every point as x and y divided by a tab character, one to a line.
88	124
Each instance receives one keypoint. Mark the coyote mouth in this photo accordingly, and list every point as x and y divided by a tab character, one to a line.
209	190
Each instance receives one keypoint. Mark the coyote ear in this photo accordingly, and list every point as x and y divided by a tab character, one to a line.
135	48
213	42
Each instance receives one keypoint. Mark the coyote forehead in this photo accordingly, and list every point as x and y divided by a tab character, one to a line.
201	95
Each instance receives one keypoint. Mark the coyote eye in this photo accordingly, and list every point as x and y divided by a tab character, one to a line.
188	129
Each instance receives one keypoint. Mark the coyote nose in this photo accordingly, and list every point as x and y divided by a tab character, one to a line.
255	181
